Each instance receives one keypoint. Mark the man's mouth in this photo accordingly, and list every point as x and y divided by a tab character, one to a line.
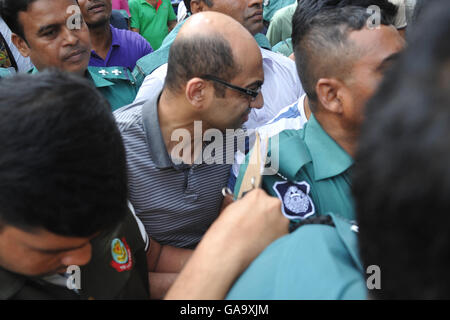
257	15
98	7
246	115
75	55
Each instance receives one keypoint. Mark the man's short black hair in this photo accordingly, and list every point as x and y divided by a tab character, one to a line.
402	172
10	9
321	43
307	9
197	56
62	163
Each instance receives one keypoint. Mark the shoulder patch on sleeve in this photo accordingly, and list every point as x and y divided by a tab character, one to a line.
296	202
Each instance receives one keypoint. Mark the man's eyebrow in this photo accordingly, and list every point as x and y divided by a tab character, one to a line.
388	60
257	83
43	29
59	250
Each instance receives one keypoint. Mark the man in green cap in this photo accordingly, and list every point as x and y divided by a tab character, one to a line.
54	35
339	75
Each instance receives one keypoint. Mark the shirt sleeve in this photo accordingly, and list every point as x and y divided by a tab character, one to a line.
134	10
144	46
172	15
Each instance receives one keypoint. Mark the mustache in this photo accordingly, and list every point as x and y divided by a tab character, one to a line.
74	52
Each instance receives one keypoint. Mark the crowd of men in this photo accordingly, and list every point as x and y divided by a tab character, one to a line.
212	165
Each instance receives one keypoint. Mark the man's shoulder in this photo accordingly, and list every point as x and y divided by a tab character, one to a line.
294	111
147	64
101	75
318	249
281	13
6	72
128	35
10	284
129	116
133	2
277	58
288	136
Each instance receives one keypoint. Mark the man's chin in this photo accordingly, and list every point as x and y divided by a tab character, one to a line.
256	28
79	69
100	22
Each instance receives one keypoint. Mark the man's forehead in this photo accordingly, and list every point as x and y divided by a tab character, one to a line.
45	12
377	43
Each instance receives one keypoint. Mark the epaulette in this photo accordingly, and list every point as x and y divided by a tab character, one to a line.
113	73
6	72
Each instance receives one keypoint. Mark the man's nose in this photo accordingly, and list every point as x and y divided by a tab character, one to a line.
70	36
255	2
258	102
78	257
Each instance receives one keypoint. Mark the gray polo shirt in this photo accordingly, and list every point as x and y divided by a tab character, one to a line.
176	203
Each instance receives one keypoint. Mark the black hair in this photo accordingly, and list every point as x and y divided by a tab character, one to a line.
62	164
307	9
321	43
209	3
402	175
187	3
10	9
191	57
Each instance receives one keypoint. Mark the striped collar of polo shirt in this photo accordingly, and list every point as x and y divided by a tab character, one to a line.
153	133
176	202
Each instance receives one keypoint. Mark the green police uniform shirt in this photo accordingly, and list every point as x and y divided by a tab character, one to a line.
117	270
313	175
315	262
116	84
6	72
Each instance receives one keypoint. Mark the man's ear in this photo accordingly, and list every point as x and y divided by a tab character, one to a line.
21	45
330	94
198	6
199	93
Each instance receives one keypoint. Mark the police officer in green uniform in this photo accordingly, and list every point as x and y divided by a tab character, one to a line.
63	202
117	270
315	162
313	176
54	35
319	260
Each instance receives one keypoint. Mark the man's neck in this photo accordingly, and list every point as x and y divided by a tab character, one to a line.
152	2
346	138
307	108
101	38
178	129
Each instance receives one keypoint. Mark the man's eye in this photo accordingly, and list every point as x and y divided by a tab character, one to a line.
49	33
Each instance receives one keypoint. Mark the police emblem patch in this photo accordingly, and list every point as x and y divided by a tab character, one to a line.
121	255
297	203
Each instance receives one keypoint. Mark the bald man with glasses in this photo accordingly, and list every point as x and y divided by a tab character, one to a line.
178	154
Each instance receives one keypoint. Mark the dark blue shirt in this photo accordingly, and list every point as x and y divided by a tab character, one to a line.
126	48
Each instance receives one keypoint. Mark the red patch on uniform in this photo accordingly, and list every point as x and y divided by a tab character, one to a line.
125	266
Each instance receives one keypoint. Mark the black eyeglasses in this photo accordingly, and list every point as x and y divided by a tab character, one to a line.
248	92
